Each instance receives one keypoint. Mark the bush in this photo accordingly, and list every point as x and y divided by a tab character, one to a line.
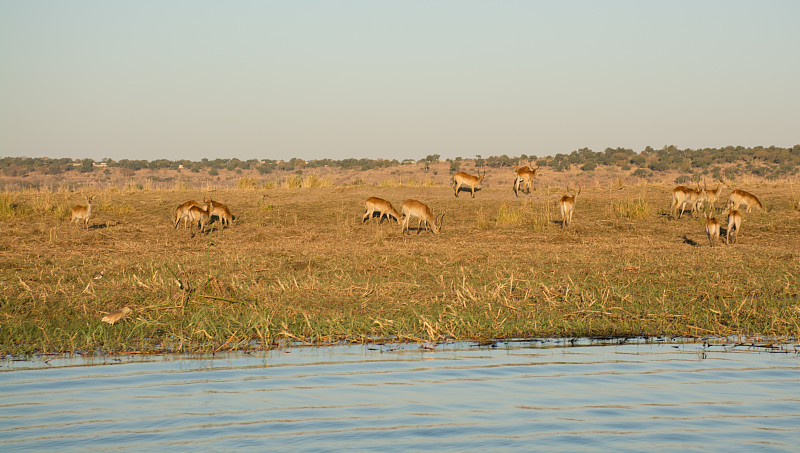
642	173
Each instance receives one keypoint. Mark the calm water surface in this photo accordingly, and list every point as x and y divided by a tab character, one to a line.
522	396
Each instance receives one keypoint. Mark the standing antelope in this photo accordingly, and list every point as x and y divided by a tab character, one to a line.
467	179
375	204
524	178
740	196
181	212
567	203
82	213
221	211
712	195
734	224
413	208
199	215
712	229
683	196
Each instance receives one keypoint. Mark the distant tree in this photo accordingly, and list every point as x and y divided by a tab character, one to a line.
87	166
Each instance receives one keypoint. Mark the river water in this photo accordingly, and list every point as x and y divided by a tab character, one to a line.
523	395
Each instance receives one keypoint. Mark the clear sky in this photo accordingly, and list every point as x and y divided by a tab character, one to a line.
393	79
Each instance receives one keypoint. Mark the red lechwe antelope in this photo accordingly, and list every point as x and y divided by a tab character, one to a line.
82	213
222	212
734	224
712	195
413	208
466	179
524	178
567	203
375	204
740	196
200	216
683	196
181	212
712	229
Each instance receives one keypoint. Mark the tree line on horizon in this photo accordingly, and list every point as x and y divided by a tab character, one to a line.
770	162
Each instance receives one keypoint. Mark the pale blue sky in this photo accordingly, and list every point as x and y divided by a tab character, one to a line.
393	79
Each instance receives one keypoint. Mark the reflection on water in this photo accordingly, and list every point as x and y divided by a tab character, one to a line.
458	397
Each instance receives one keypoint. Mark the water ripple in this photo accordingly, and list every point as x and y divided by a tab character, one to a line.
519	396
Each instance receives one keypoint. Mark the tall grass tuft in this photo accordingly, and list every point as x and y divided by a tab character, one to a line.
247	183
631	209
509	215
314	181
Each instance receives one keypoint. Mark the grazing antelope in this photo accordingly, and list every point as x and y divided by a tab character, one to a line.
82	213
200	216
524	178
413	208
740	196
712	195
181	212
734	224
567	203
683	196
375	204
221	211
467	179
712	229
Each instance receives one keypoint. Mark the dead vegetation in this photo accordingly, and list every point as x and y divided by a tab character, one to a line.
299	264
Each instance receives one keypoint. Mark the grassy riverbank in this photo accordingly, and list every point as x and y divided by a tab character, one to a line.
300	265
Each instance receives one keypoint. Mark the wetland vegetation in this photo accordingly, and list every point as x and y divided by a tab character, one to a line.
299	265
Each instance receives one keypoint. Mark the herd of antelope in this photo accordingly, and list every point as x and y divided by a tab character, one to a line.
523	182
195	214
683	197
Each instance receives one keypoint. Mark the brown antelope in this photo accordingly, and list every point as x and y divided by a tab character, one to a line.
82	213
181	212
200	216
712	195
467	179
734	224
567	203
222	212
712	229
524	178
683	196
740	196
413	208
374	204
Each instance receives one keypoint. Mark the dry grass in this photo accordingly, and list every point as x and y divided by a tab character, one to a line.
298	264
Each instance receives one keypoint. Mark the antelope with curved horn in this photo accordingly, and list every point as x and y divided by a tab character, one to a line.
734	224
466	179
524	178
181	212
222	212
413	208
683	196
82	213
567	203
740	196
712	229
375	204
